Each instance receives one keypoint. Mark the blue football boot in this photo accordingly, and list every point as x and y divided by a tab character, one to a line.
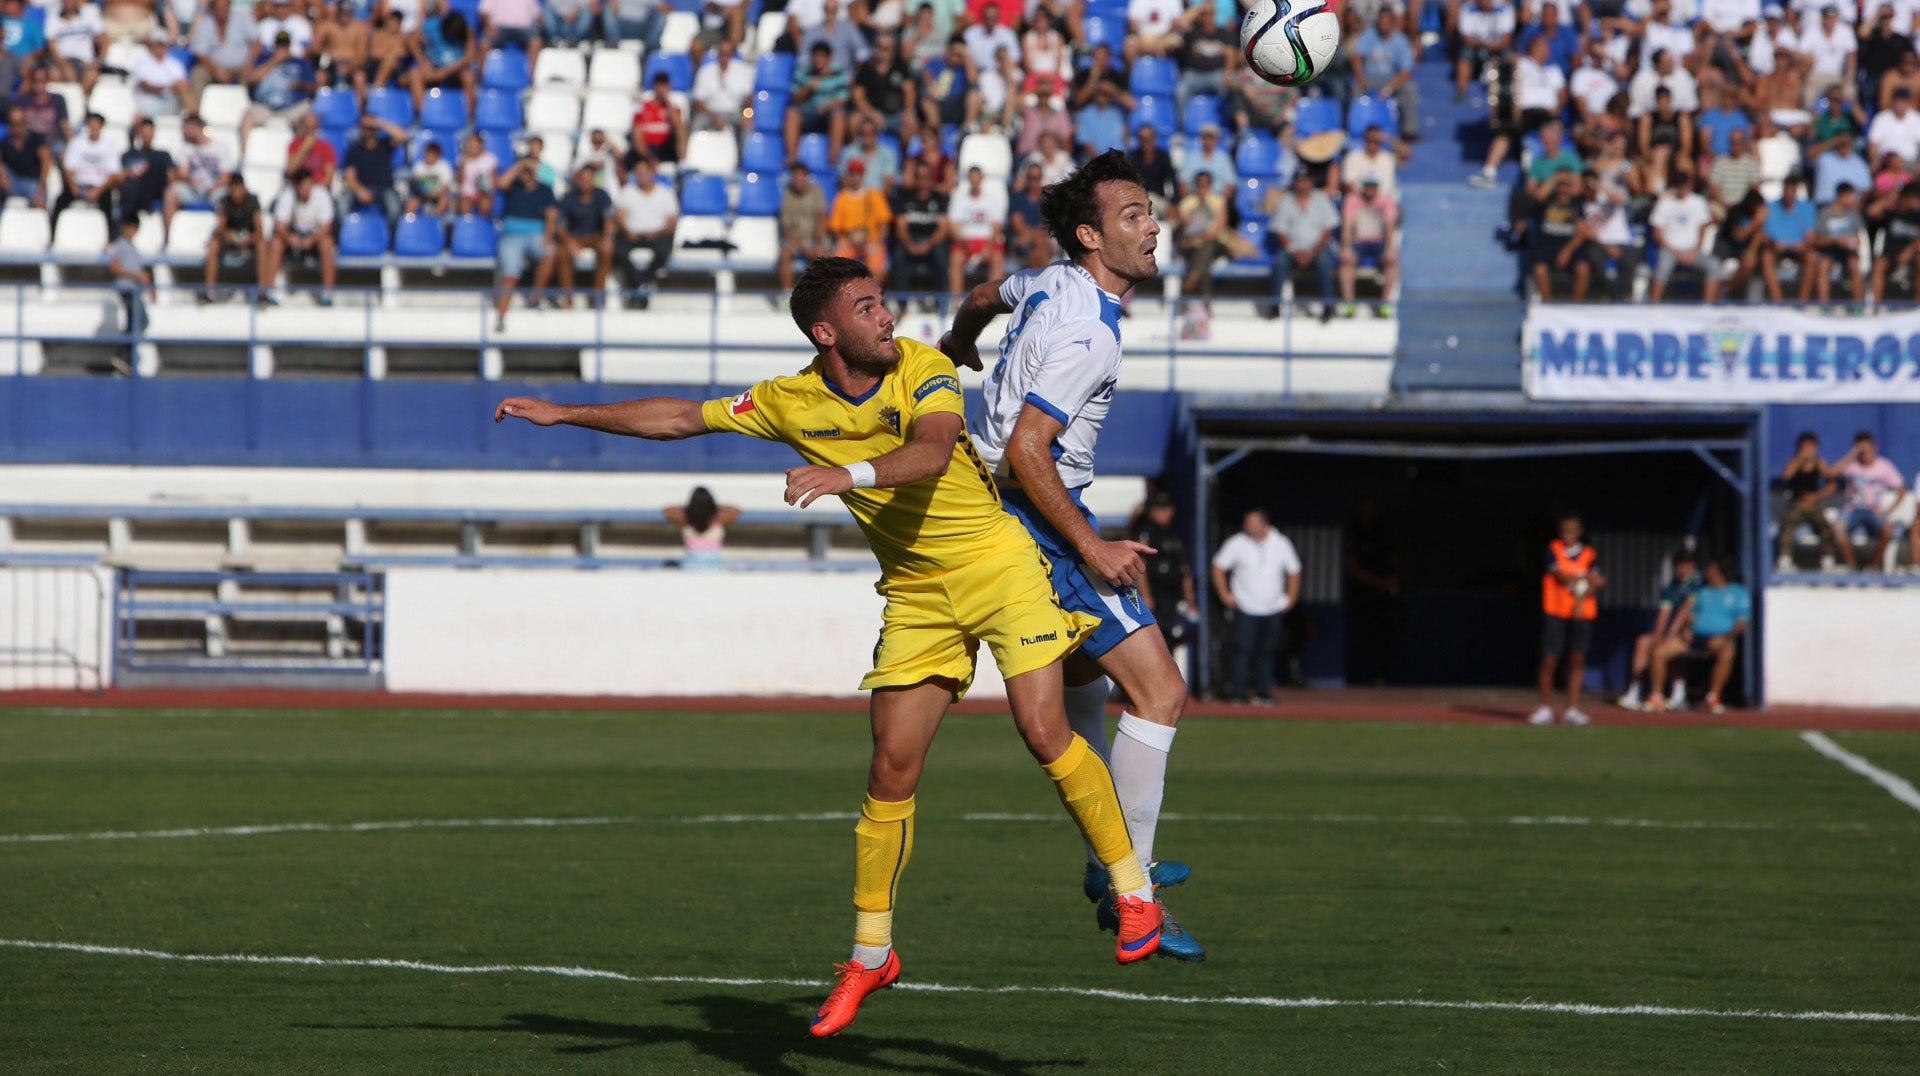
1175	942
1165	874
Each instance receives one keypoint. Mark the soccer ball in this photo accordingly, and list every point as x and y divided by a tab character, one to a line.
1581	586
1290	42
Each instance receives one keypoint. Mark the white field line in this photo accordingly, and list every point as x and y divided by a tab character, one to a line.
1897	786
274	828
1560	1008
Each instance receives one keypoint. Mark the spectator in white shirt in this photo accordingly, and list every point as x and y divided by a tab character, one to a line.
1833	54
1896	130
1540	94
978	214
1153	27
1665	33
721	90
1377	158
90	160
1779	154
1256	576
1679	222
159	79
646	213
987	37
1485	28
1663	71
1592	84
281	17
303	228
76	39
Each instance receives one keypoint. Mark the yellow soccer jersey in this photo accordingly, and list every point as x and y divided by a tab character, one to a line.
916	530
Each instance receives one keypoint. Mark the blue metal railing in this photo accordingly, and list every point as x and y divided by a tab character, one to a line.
356	598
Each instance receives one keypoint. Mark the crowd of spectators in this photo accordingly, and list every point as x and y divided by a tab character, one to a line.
892	86
1857	502
1745	147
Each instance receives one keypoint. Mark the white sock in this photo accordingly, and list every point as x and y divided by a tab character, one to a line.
871	956
1139	768
1633	692
1087	715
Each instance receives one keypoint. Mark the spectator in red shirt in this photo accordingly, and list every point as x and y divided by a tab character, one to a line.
659	130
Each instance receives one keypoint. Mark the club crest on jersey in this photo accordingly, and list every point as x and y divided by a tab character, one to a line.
742	403
935	384
891	416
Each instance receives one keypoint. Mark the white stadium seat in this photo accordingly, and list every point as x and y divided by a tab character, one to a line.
713	152
151	239
187	242
114	102
268	147
264	182
223	106
81	234
123	54
697	229
768	30
608	110
553	111
756	242
76	100
990	151
678	33
24	234
567	67
613	69
558	152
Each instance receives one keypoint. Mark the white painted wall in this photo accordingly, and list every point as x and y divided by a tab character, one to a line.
1843	646
635	632
56	628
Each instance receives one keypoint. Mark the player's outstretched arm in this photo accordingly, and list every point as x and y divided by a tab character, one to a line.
1030	452
927	453
656	418
976	312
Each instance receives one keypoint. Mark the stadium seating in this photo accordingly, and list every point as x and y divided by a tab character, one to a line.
565	66
475	237
612	69
114	101
678	66
554	112
770	111
444	110
991	153
1203	109
500	111
224	106
336	109
1154	112
1364	112
774	71
419	236
1154	76
1250	198
816	154
1315	115
394	106
677	35
607	110
363	235
714	152
267	148
1258	154
1105	30
703	196
505	69
187	240
759	195
763	153
79	236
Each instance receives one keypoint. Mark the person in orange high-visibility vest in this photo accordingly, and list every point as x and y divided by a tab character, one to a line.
1569	599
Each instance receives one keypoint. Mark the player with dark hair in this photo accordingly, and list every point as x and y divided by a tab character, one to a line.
880	423
1046	400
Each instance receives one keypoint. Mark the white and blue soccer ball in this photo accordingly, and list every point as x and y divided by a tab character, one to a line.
1290	42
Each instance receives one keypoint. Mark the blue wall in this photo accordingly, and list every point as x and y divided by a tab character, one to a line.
403	423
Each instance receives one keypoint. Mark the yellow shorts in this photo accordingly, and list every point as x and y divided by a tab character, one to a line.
933	626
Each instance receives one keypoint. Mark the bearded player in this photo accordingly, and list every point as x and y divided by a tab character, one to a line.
880	423
1046	399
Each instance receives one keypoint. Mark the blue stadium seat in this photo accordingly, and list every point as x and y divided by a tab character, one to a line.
1154	112
419	236
1256	233
829	185
1257	155
506	69
1314	115
1105	30
774	71
1110	9
763	152
444	110
770	111
692	7
475	237
394	106
678	66
1367	111
499	110
363	235
339	138
759	195
336	108
892	142
500	144
703	195
816	153
1250	197
1202	109
448	141
469	10
1154	75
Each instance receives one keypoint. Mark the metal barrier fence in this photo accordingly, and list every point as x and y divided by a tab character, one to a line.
57	626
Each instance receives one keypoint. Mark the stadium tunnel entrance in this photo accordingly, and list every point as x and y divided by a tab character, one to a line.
1465	503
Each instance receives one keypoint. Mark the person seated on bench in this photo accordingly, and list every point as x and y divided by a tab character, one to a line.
1721	612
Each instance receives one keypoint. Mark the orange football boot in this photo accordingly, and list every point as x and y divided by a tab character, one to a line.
856	982
1139	929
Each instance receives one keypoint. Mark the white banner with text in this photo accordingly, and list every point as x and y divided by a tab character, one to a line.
1719	355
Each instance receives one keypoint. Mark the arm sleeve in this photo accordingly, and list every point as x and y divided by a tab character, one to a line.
1227	558
1013	290
753	413
1073	370
934	386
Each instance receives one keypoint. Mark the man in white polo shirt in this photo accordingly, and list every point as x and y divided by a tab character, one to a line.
1256	574
648	212
1895	129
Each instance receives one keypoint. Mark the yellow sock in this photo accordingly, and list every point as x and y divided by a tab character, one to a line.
883	842
1086	788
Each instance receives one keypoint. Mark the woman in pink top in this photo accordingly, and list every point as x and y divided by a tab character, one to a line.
1873	484
703	529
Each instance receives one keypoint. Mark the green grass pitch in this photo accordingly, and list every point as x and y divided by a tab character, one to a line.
1357	863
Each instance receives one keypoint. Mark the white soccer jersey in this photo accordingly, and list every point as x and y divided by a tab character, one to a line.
1061	353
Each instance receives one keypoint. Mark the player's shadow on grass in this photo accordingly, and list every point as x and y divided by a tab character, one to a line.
754	1036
